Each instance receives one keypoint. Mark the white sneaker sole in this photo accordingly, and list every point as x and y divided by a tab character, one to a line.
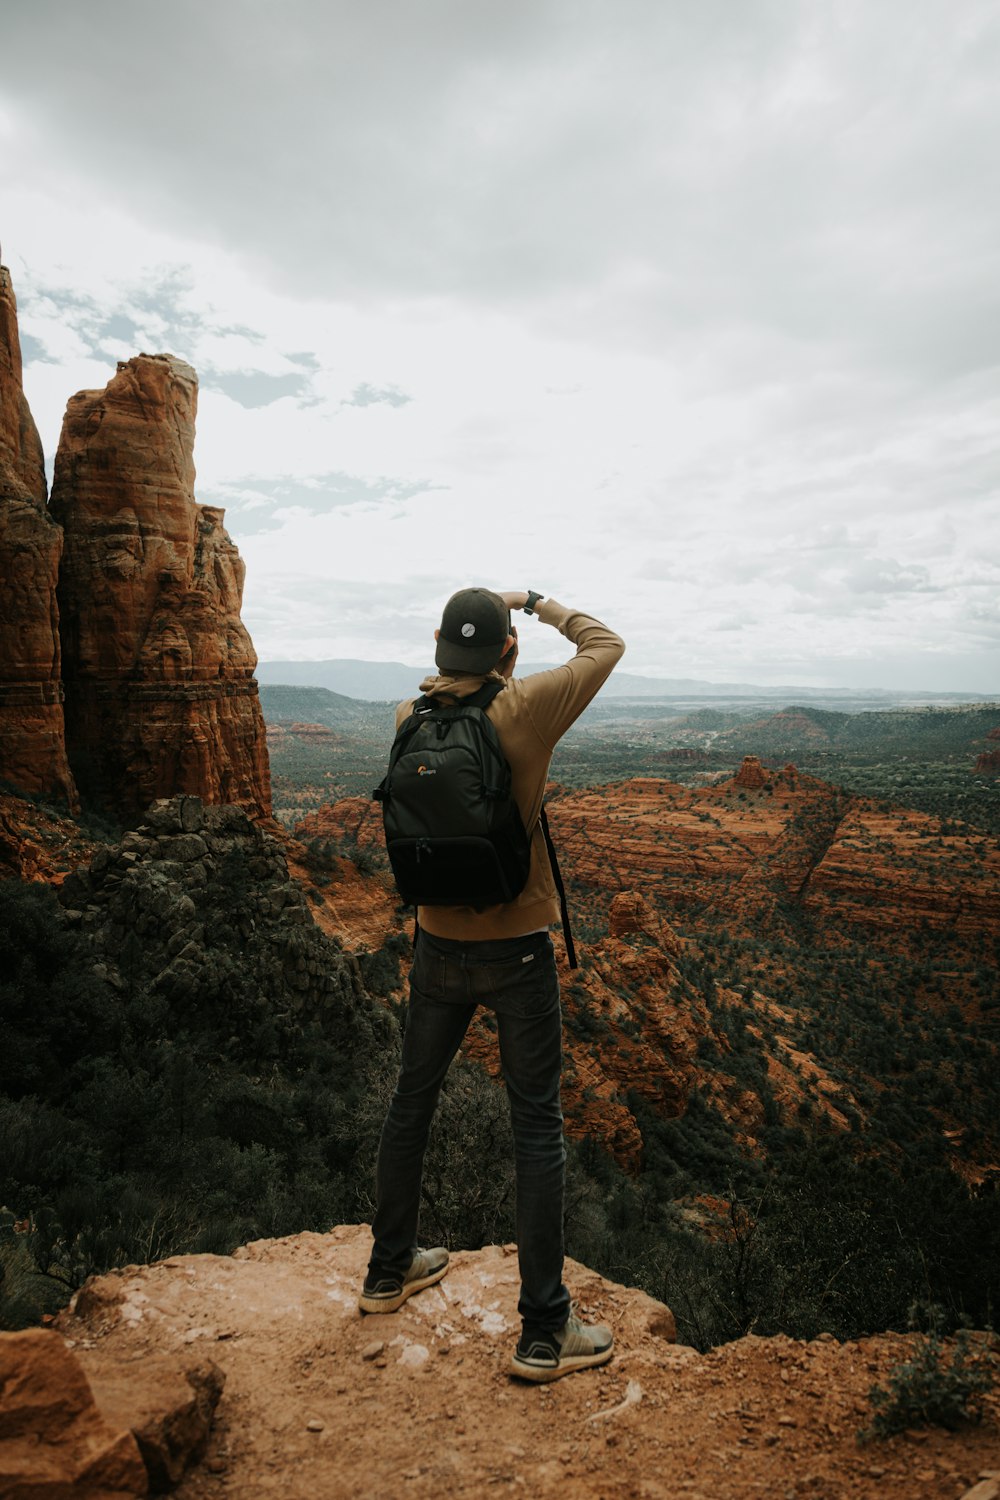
390	1304
541	1374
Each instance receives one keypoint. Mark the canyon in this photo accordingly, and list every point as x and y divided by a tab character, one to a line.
746	843
747	859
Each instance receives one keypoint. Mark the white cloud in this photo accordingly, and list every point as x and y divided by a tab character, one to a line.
684	314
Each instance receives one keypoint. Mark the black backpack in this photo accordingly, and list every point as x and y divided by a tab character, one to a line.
453	831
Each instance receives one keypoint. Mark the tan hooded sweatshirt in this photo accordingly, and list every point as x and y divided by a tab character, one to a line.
531	715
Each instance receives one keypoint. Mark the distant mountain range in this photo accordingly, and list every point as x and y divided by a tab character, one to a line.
289	703
379	681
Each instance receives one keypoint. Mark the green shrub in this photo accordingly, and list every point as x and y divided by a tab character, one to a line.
931	1390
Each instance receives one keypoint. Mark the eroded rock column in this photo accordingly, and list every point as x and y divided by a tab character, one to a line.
32	742
160	693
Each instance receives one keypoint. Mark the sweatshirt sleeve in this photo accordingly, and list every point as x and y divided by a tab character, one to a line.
556	698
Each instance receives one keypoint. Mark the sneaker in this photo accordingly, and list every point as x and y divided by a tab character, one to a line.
549	1356
383	1293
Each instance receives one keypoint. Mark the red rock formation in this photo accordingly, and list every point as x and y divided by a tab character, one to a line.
988	763
32	742
751	775
361	911
160	693
695	848
895	871
630	913
36	844
354	818
53	1438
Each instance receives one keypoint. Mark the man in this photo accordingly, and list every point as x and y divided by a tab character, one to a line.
501	957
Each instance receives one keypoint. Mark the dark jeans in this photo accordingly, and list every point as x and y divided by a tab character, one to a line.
516	978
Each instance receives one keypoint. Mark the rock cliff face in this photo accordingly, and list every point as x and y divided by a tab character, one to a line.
32	745
160	693
739	849
20	445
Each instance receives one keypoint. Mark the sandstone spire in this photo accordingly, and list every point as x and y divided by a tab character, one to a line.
32	745
160	693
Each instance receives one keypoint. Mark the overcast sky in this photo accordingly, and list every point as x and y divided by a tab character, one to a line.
684	311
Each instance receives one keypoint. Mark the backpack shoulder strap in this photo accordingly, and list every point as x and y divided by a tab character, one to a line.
482	697
420	709
560	887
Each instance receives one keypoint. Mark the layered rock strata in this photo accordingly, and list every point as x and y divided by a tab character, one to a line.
738	849
160	693
32	744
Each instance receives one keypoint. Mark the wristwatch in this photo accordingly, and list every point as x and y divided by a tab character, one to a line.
532	600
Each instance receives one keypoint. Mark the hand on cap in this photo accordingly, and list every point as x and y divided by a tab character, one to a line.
515	598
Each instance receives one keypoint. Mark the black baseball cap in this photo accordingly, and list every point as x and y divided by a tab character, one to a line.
474	630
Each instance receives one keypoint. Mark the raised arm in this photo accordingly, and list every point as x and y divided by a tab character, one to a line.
558	697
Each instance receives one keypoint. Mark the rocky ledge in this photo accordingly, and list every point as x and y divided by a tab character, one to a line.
320	1401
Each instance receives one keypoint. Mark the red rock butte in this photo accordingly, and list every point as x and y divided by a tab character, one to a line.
32	743
158	667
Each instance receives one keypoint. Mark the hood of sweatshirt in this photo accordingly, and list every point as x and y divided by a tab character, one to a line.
458	687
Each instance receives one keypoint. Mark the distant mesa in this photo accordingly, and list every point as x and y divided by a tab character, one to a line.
311	734
125	668
683	755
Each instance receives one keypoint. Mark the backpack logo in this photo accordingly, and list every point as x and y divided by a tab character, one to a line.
426	771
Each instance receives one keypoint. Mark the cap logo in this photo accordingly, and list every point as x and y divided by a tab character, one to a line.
468	629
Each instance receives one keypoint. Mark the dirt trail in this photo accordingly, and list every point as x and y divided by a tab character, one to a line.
321	1403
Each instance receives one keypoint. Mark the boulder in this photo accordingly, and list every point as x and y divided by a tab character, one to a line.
54	1440
167	1404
